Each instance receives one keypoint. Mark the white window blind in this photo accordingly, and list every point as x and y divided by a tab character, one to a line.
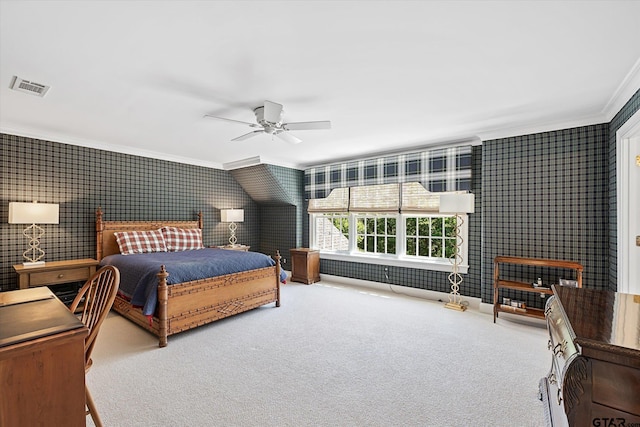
408	197
375	198
416	198
337	201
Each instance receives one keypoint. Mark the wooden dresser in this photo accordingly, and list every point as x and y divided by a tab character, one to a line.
41	361
594	340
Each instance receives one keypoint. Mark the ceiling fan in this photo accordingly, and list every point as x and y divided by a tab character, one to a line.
269	121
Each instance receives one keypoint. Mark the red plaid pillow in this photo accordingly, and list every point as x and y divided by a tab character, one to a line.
140	242
182	239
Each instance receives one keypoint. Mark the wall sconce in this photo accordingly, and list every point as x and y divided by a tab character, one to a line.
232	216
456	203
33	213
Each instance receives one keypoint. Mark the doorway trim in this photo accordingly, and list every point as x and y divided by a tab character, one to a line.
630	129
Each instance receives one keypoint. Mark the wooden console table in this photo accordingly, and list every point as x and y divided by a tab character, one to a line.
41	361
501	283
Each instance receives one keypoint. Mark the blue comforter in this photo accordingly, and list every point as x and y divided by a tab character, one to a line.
138	272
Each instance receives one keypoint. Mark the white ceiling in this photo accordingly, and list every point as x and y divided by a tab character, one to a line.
137	77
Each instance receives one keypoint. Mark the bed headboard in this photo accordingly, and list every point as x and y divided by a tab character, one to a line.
106	241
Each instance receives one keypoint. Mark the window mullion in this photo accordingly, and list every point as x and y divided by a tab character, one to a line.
353	225
401	235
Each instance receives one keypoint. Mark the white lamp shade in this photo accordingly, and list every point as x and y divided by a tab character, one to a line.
34	213
457	203
232	215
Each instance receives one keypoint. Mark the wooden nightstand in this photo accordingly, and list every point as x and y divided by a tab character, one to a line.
305	265
244	248
55	272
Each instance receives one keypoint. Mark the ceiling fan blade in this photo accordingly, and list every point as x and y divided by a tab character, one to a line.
253	125
272	112
247	135
287	137
325	124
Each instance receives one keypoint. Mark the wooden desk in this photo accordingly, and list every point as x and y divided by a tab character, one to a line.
41	361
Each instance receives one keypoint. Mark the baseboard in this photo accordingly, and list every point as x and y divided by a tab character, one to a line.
485	308
475	304
472	303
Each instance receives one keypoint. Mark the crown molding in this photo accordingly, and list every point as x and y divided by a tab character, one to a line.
66	139
627	88
424	146
508	132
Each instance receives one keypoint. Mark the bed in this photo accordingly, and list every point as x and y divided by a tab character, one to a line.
189	304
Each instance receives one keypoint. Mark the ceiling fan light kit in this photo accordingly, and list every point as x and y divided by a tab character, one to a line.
269	118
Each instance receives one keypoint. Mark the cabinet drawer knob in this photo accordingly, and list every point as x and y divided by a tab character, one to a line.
60	276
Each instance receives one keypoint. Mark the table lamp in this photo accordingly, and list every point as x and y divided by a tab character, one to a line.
232	216
33	213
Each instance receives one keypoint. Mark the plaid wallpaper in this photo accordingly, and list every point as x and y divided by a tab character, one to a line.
282	225
278	191
444	169
546	196
127	187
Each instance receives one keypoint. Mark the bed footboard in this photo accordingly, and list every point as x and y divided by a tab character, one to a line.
184	306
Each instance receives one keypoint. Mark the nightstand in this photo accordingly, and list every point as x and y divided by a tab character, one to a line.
244	248
55	272
305	265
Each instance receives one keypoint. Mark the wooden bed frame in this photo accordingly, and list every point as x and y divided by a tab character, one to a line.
187	305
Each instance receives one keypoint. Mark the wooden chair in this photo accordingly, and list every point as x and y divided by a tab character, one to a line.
92	305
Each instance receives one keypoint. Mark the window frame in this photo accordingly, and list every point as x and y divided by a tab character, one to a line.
353	224
400	259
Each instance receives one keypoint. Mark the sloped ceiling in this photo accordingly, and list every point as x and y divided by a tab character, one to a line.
138	77
262	186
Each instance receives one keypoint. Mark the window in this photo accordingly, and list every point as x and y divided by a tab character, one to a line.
430	236
413	240
416	236
376	233
331	231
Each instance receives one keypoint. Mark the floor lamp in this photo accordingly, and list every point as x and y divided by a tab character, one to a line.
33	213
232	216
457	204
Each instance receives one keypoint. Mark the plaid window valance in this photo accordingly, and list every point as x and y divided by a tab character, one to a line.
443	169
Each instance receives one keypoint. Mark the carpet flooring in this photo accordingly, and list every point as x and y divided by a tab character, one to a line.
331	355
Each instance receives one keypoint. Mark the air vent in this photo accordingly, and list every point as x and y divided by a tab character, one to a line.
27	86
